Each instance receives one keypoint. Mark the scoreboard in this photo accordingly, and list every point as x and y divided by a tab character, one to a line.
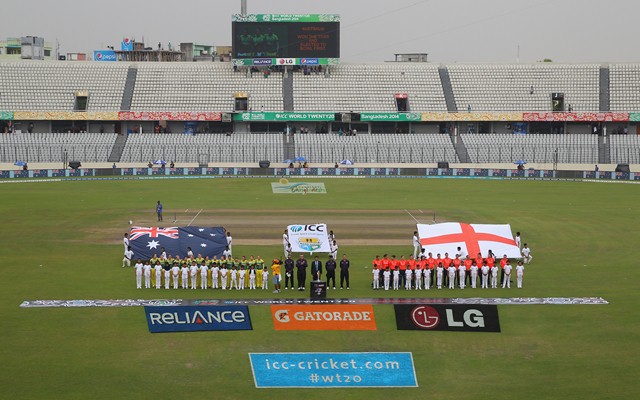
286	39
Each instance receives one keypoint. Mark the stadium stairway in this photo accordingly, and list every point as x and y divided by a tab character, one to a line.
604	149
461	149
129	85
289	146
449	98
118	148
287	90
605	103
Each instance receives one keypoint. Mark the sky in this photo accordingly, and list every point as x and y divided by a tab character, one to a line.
466	31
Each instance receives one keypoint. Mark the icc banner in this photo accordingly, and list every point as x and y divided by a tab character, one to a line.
447	317
309	238
197	318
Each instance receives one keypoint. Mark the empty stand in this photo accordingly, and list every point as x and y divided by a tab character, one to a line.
370	87
376	148
507	148
624	82
56	147
51	86
202	87
203	148
625	148
508	87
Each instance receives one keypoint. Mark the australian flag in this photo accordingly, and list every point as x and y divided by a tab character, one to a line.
145	242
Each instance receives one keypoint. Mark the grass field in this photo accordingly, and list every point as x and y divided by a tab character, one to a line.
63	241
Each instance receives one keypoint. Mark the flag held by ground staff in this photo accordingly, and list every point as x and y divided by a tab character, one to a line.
147	241
472	238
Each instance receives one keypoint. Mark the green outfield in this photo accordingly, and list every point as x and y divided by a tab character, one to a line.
63	240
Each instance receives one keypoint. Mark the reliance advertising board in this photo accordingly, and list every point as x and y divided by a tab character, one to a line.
197	318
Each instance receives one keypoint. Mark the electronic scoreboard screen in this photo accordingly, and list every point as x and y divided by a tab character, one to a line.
298	38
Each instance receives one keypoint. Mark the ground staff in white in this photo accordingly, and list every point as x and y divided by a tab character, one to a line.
128	255
526	254
507	276
519	274
139	266
416	244
285	243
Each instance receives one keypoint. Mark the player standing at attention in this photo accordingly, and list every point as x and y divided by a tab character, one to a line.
147	275
167	274
485	275
376	278
507	276
519	274
204	272
159	211
259	267
158	269
139	266
416	244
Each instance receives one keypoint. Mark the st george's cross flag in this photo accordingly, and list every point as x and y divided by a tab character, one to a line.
472	238
147	241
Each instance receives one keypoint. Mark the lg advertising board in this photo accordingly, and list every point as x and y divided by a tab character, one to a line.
447	317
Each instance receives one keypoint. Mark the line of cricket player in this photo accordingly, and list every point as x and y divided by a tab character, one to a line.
225	273
426	272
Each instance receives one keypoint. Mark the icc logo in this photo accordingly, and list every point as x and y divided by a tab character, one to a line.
425	317
282	315
297	228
